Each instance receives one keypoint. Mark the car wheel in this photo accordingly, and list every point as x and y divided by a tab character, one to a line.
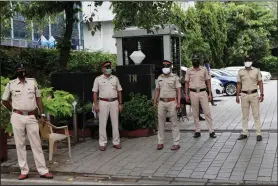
230	89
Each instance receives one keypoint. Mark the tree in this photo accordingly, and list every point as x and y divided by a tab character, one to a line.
143	14
43	9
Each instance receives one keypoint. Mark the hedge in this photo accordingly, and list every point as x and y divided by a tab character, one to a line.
40	63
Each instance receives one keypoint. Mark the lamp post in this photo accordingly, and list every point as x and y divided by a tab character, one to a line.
75	127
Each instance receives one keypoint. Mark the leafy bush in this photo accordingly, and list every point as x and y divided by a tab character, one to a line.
40	63
270	64
5	114
57	103
138	113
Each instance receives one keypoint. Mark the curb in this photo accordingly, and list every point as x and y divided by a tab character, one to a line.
142	179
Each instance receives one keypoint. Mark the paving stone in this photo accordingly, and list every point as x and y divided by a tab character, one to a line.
187	183
190	180
264	179
236	177
210	176
219	181
153	182
197	175
250	177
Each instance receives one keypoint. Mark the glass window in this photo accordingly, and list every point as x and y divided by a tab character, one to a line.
22	35
16	34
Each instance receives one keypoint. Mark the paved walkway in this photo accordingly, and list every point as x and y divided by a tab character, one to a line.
227	116
202	160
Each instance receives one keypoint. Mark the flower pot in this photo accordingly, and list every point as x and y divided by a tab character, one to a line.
140	133
124	133
3	146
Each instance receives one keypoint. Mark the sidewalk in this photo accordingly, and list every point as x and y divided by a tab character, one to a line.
202	161
224	159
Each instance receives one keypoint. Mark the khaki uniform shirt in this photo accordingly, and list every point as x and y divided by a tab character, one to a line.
168	85
107	87
197	78
22	95
249	78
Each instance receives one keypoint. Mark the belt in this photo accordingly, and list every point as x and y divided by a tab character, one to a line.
167	99
250	91
108	99
25	113
198	90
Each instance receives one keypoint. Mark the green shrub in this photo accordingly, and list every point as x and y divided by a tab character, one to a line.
5	113
138	113
270	64
41	63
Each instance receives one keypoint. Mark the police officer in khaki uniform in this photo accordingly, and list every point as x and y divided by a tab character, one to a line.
25	98
197	82
247	82
168	90
107	96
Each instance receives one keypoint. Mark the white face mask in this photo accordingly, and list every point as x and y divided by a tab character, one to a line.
248	64
166	70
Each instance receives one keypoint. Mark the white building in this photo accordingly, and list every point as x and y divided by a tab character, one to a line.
102	40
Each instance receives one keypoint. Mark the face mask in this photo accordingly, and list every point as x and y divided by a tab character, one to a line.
248	64
196	63
166	70
20	74
108	71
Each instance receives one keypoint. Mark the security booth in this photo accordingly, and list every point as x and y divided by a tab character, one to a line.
140	55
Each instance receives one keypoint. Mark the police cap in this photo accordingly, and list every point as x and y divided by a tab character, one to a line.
19	66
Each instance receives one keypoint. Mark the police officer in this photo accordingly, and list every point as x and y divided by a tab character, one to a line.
168	90
25	98
197	78
247	82
109	90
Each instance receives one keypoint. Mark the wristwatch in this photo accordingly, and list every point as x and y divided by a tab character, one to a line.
43	115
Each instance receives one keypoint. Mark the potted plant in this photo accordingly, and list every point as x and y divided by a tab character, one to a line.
5	125
58	104
139	117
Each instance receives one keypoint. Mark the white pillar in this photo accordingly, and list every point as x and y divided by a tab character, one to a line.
167	47
12	27
49	27
79	31
119	43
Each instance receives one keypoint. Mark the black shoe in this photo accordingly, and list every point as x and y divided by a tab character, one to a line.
201	119
259	138
197	135
212	135
167	119
241	137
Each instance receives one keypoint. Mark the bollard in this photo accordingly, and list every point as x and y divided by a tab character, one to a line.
75	127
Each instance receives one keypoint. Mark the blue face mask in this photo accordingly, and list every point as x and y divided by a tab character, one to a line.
108	71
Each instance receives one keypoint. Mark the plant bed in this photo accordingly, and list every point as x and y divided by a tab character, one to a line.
137	133
3	145
139	117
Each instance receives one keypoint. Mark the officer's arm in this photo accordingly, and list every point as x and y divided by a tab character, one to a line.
186	79
120	89
178	87
157	92
95	92
260	82
238	89
6	97
38	98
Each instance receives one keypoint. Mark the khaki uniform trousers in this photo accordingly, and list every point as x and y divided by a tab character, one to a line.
196	99
22	125
163	108
106	108
252	100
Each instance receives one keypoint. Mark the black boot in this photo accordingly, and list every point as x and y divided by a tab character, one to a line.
241	137
212	135
201	118
197	135
259	138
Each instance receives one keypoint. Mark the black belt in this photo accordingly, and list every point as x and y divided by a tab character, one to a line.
25	113
167	99
250	91
198	90
108	99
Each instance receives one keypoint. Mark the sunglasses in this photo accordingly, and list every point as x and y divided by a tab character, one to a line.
167	65
108	67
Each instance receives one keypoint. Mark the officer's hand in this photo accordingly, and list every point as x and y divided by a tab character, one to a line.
187	99
178	105
209	98
120	107
261	98
155	104
237	99
96	108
